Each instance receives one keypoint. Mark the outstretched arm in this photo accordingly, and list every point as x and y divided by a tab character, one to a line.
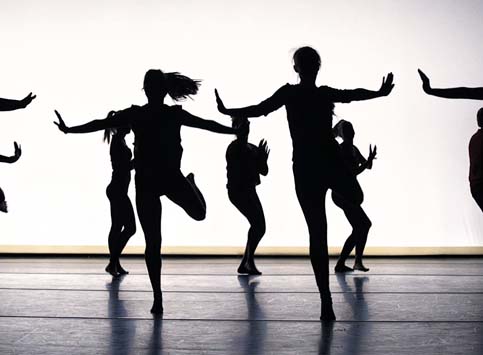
10	105
196	122
364	94
13	158
111	121
450	93
271	104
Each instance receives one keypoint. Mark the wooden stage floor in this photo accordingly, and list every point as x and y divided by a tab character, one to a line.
401	306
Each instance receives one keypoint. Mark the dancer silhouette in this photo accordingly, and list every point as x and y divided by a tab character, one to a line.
11	159
317	162
123	222
451	93
157	159
10	105
476	162
245	163
356	216
476	143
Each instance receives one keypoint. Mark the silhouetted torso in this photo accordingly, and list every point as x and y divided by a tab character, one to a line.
309	114
476	158
157	133
242	165
352	156
121	162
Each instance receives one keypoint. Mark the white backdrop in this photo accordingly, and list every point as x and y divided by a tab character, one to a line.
86	58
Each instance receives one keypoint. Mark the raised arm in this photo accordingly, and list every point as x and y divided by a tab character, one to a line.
364	94
112	120
10	105
197	122
450	93
271	104
262	162
13	158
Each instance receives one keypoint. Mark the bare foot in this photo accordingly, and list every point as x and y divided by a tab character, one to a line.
157	307
121	270
112	269
360	267
342	268
327	312
249	268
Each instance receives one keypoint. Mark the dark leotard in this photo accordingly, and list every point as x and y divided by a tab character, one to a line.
121	169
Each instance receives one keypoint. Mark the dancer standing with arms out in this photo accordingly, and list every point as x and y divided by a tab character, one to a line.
476	143
317	163
11	159
356	216
245	163
158	152
123	222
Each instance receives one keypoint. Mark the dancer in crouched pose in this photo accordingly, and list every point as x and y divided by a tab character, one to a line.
245	163
356	216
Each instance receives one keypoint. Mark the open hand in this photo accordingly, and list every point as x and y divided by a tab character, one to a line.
387	85
221	106
263	148
61	124
425	80
372	153
27	100
18	152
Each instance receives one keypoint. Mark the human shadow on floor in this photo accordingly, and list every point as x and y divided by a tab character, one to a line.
123	330
253	340
359	326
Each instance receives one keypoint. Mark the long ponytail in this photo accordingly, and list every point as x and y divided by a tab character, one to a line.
180	87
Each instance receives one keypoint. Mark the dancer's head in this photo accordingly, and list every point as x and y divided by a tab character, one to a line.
158	84
344	129
479	117
306	62
237	122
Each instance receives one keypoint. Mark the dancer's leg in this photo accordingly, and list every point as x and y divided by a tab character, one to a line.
128	231
312	200
149	212
186	195
364	224
360	228
248	203
114	232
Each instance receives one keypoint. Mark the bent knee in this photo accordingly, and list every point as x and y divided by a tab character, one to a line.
260	229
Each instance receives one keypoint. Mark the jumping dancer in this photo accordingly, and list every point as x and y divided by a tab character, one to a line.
157	157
